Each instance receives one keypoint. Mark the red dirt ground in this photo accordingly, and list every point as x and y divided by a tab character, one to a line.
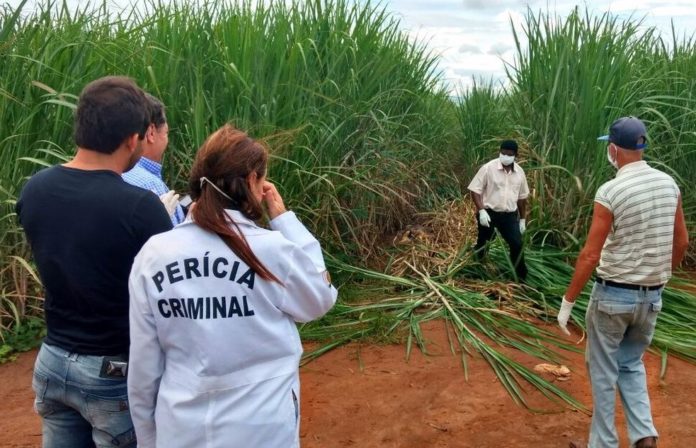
370	396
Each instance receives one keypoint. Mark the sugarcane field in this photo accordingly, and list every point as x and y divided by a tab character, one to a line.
361	234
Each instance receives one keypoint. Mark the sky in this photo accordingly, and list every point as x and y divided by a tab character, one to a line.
474	40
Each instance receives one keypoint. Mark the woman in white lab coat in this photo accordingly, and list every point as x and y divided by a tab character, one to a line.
215	351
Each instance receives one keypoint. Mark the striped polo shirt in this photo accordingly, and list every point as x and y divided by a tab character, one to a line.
638	249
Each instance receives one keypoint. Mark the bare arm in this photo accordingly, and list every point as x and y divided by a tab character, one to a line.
478	200
522	208
681	237
588	259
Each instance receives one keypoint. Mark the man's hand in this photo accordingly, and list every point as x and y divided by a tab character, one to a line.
484	218
564	315
273	200
170	200
523	225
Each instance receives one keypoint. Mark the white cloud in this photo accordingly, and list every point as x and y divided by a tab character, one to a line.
645	6
629	5
470	49
675	11
507	16
497	4
500	48
474	37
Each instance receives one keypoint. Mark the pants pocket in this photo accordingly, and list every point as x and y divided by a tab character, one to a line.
108	413
648	327
39	383
614	317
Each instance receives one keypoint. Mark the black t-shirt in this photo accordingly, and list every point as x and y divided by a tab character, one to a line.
85	228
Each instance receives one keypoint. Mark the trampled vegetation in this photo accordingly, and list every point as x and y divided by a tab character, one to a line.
369	146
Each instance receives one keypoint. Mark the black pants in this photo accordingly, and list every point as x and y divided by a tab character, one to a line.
508	226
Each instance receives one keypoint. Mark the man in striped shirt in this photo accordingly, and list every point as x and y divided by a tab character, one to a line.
637	237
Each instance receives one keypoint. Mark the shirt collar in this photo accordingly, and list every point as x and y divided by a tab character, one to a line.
239	218
235	215
150	165
630	167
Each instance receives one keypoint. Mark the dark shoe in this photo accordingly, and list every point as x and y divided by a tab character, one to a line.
647	442
576	445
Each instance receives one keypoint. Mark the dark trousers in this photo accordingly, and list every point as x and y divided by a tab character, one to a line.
508	226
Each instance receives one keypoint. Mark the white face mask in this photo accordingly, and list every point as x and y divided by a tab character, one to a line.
613	162
506	160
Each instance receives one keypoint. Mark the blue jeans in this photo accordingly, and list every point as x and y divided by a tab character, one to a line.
620	326
78	408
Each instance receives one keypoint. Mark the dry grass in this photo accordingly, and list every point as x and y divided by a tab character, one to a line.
440	246
436	242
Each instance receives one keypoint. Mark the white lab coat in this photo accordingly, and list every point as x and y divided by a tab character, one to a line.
215	351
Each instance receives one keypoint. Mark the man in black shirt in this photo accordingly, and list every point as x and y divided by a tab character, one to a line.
85	225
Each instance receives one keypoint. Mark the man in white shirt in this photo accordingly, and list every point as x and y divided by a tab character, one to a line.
637	237
500	193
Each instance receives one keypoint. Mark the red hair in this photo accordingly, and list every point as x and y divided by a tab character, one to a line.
226	159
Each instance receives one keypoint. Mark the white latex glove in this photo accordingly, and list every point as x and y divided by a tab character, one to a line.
484	218
523	225
170	200
564	315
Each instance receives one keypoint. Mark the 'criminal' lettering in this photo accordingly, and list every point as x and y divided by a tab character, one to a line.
205	307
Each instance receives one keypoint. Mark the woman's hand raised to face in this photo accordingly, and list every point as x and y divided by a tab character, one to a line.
274	203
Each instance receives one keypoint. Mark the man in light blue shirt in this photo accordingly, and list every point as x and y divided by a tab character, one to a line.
147	173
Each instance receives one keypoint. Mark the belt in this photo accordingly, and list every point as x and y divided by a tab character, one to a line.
490	210
630	286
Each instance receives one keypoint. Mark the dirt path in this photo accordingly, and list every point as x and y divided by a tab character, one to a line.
369	396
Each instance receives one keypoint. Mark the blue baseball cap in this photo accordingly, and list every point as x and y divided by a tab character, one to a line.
627	133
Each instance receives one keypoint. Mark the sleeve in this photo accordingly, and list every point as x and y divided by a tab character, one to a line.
524	188
309	293
150	217
146	359
293	230
18	207
478	183
602	197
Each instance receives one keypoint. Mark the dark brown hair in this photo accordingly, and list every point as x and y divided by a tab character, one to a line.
110	110
226	159
157	116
